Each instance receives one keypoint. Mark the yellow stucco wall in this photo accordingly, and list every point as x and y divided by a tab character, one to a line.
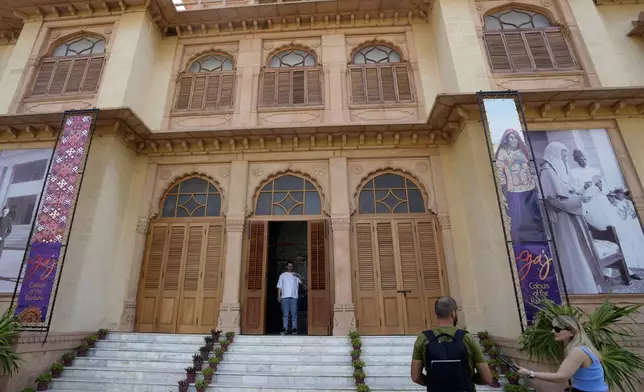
5	55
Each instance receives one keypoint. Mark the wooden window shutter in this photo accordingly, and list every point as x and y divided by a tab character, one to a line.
213	258
406	247
60	77
227	89
185	90
76	75
314	86
386	256
403	83
373	84
284	88
198	92
387	82
496	52
429	256
518	51
318	256
193	258
212	92
152	280
357	85
256	256
268	87
298	88
175	253
45	73
93	74
539	50
366	272
561	52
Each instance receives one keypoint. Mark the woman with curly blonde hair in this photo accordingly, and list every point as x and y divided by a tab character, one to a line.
582	365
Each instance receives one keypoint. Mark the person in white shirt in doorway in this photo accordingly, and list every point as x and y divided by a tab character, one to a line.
287	294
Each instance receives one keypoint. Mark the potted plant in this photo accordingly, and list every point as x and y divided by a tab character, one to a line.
28	389
504	367
363	388
191	374
355	354
210	342
230	336
493	353
515	388
204	350
224	345
91	340
358	364
494	364
183	386
356	343
102	333
207	374
219	352
213	362
216	333
197	361
483	335
68	358
43	381
56	369
359	376
512	378
82	350
487	344
9	331
201	385
495	379
353	334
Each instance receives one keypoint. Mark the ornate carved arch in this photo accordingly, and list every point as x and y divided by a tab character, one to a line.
209	52
157	204
70	37
380	42
279	173
429	201
521	7
291	46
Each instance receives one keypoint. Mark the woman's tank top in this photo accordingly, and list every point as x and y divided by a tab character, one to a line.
591	378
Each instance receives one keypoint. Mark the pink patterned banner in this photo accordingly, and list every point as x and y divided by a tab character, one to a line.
54	219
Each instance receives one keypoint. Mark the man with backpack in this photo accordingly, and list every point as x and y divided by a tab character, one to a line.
452	358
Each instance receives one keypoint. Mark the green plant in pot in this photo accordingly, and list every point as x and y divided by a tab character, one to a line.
483	335
230	336
201	385
102	333
56	369
512	378
204	350
207	374
224	345
68	358
359	376
9	330
29	389
91	340
515	388
493	353
353	334
355	354
213	362
494	364
358	364
81	350
604	327
191	374
197	362
363	388
183	386
42	382
487	345
210	342
495	379
356	343
219	352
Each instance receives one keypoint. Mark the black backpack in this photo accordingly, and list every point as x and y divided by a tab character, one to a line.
447	363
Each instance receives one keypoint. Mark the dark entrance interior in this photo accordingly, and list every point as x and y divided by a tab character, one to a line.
286	242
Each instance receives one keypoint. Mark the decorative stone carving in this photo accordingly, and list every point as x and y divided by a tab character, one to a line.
387	114
201	122
356	169
235	225
224	172
480	6
344	318
546	3
142	225
320	171
128	316
229	316
190	51
258	172
443	221
389	163
295	118
421	167
234	49
108	30
340	224
165	173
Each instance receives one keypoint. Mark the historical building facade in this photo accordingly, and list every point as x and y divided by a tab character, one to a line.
229	130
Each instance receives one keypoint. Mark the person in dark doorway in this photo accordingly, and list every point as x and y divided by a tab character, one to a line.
5	227
452	359
287	294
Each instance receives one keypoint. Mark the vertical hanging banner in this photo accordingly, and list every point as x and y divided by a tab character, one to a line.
42	267
528	240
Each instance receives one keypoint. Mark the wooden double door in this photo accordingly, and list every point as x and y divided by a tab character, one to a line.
398	275
179	290
255	282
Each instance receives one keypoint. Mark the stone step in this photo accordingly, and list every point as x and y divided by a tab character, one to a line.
301	368
386	359
291	358
141	354
156	337
275	379
278	349
166	347
290	339
83	386
109	363
124	374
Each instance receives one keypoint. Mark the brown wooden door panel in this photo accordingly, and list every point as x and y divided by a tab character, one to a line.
150	284
255	279
408	265
368	304
172	275
433	278
318	282
391	306
190	301
211	271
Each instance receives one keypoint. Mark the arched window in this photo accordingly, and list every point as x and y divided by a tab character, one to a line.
192	198
289	195
378	75
390	193
292	77
75	66
525	41
208	84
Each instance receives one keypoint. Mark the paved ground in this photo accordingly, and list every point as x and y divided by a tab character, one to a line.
636	286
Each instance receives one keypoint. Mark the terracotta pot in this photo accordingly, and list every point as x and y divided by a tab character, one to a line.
216	337
190	377
213	366
493	355
68	362
224	347
355	357
229	339
513	382
82	353
102	336
356	347
495	383
198	366
201	389
91	344
43	386
505	368
208	378
55	374
204	354
183	389
359	381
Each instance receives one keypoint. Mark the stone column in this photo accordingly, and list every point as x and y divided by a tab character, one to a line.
343	309
230	308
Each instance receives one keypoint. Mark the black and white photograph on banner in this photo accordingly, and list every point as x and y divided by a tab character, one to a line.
595	225
22	174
